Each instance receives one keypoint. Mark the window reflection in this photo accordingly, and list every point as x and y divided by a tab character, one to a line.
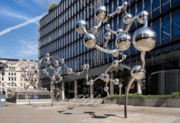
156	28
165	29
176	25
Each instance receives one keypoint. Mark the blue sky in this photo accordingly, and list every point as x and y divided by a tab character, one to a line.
19	27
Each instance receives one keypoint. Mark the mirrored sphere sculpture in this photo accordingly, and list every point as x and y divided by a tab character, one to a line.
143	39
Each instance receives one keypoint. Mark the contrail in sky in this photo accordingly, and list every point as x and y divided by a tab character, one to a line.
33	20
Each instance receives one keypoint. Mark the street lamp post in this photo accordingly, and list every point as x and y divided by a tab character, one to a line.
143	39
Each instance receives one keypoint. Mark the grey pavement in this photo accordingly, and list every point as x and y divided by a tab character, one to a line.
105	113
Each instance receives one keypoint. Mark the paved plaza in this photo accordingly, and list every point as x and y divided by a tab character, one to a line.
103	113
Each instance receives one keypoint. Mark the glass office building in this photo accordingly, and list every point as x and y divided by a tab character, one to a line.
58	37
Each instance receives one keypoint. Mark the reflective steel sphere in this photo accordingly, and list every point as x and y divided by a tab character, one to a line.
95	29
90	82
90	40
123	41
137	72
144	39
106	88
107	35
118	9
69	71
27	79
53	78
141	16
125	4
116	81
37	71
105	77
107	26
47	60
79	25
62	61
101	13
127	19
85	67
56	63
115	54
115	63
119	31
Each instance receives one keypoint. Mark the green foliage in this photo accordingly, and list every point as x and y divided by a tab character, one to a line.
176	95
52	6
135	95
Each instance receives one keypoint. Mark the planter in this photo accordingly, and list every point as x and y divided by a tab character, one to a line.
156	102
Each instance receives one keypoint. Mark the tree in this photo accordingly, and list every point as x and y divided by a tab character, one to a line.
52	6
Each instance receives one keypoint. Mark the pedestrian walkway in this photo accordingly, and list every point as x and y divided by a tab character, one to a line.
103	113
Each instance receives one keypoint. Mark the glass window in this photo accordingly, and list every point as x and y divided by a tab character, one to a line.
165	5
176	25
165	28
156	7
156	28
147	5
139	7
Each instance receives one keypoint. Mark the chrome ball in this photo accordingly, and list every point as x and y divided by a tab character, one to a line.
33	80
107	26
27	79
144	39
59	69
137	72
106	88
115	63
101	12
105	77
125	4
56	63
53	78
141	16
95	29
85	67
118	9
69	71
29	73
107	35
115	54
80	25
116	81
47	60
127	19
123	41
37	71
90	82
90	40
119	31
62	61
60	78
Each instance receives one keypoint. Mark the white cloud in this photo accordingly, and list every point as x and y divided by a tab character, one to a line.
6	11
32	20
28	49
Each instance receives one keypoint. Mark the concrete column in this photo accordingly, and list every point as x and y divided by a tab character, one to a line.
62	90
91	91
139	86
75	89
112	85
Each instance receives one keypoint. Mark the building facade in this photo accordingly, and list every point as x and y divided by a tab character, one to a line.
11	71
58	37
